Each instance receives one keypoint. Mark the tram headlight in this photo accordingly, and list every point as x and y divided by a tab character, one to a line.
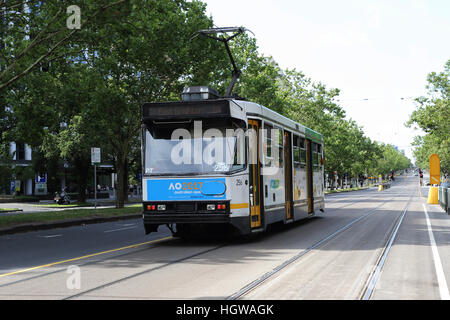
161	207
211	207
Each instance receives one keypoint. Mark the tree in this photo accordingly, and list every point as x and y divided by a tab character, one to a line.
34	33
146	57
432	116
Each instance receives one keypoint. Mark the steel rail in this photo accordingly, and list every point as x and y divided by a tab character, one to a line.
256	283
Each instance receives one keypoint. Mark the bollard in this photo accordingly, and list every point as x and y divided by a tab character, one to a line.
433	195
448	198
380	187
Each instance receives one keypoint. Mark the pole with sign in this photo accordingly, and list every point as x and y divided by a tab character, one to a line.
95	158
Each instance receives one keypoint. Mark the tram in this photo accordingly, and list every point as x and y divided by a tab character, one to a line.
212	162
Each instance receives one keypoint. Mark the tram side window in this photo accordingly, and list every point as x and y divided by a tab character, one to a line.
302	146
319	155
273	142
316	156
280	147
296	151
268	143
239	153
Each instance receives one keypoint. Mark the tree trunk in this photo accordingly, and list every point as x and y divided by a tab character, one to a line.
125	181
121	165
82	170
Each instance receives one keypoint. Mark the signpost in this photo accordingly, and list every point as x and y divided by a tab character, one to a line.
95	158
40	184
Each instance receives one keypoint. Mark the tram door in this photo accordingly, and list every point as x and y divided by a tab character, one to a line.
254	175
288	174
309	176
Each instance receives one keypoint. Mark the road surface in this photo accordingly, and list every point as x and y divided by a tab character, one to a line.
366	245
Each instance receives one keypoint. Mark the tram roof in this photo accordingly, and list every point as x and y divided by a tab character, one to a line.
224	107
257	110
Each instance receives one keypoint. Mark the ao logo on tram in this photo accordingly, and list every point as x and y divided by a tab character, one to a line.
188	182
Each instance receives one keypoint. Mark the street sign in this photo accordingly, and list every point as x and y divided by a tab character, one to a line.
95	155
41	179
435	169
95	158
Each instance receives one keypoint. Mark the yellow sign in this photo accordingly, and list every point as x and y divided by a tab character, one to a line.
435	169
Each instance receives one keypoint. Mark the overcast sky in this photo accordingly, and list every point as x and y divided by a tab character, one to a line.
378	50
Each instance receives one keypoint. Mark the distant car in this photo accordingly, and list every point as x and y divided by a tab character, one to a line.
427	183
416	174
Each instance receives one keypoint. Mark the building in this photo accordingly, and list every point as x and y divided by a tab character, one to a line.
22	156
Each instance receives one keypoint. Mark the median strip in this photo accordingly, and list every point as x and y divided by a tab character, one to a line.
25	222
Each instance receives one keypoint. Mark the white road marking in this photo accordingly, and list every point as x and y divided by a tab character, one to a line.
120	229
443	289
51	236
376	274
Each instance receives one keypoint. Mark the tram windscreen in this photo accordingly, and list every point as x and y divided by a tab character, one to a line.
194	147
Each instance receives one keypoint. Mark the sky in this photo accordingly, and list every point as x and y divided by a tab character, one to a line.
376	52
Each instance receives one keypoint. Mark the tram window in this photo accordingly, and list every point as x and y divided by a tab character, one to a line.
268	142
280	147
296	151
303	158
315	156
302	143
239	151
302	153
167	152
273	141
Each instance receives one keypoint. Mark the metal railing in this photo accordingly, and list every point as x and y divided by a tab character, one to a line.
443	197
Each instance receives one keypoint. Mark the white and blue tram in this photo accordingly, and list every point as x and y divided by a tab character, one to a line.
210	161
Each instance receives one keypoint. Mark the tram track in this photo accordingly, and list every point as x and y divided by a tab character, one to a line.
93	262
152	246
247	288
367	290
170	263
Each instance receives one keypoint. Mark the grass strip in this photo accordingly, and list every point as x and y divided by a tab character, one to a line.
55	216
62	206
345	190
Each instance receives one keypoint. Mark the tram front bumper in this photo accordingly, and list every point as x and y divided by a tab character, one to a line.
241	224
185	218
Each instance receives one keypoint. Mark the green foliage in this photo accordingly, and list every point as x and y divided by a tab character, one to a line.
34	33
432	116
68	91
391	159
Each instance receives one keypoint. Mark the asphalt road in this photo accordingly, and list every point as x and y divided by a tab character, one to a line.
367	244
